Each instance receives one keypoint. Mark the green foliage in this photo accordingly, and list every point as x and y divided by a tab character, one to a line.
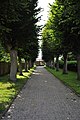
18	26
64	21
47	46
68	79
4	56
70	24
54	35
28	33
71	65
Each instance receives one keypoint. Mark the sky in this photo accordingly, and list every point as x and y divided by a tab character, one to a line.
45	5
44	13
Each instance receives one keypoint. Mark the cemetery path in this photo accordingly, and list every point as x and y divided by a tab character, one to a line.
44	97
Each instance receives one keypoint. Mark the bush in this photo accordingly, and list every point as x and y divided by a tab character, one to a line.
72	65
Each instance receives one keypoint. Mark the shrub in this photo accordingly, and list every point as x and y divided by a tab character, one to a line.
72	65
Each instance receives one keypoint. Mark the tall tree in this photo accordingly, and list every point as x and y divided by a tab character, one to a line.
71	23
17	18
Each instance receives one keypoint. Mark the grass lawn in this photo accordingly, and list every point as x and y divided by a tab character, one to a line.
9	90
68	79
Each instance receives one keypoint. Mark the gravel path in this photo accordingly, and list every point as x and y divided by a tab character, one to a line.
44	97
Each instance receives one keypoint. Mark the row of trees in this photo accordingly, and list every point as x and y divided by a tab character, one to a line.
61	34
19	31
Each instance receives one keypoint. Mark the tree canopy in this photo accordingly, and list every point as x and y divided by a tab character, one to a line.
18	29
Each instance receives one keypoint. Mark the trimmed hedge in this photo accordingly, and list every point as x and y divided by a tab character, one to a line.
72	65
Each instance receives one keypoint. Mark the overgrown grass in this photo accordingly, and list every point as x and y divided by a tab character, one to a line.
8	89
69	79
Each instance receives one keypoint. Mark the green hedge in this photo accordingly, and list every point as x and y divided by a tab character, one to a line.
72	65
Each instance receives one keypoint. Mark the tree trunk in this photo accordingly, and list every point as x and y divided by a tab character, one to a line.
20	67
13	69
78	67
65	64
26	65
47	64
57	63
30	64
53	64
50	63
